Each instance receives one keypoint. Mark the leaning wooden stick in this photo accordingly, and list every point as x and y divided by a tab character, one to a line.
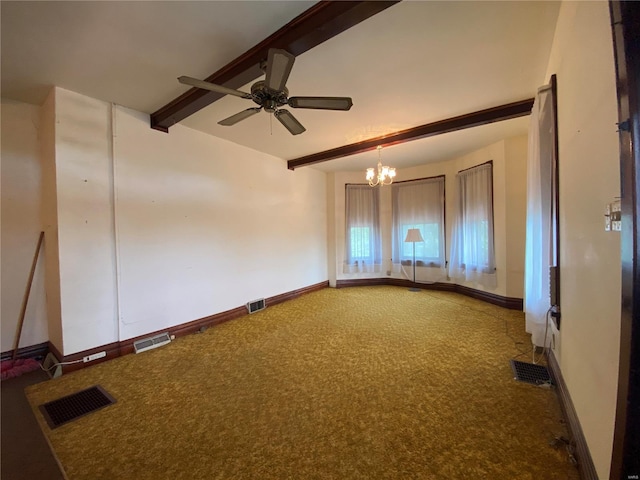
23	311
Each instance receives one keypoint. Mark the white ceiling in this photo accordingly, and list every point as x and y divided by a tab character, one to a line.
414	63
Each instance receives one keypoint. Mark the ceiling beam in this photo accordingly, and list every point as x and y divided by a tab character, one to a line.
475	119
323	21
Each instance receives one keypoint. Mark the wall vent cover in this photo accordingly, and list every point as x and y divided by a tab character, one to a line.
151	342
256	305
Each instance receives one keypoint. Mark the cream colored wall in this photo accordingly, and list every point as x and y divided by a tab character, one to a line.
516	212
21	225
331	229
509	158
160	229
588	343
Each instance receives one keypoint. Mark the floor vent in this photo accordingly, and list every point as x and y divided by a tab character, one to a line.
256	305
151	342
530	373
65	409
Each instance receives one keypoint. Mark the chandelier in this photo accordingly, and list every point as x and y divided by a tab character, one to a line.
385	174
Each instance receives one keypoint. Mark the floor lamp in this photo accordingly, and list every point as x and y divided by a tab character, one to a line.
413	236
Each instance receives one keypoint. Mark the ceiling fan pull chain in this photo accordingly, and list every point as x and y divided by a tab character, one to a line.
271	125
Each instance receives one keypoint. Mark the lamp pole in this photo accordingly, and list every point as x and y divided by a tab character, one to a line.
413	236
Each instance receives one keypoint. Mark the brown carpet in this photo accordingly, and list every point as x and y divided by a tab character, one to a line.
357	383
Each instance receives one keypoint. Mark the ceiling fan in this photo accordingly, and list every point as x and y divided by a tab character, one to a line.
271	94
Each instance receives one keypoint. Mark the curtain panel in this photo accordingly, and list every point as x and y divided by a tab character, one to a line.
363	251
538	248
419	204
472	249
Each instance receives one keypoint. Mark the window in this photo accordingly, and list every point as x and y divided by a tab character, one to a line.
472	252
420	204
362	249
426	251
360	242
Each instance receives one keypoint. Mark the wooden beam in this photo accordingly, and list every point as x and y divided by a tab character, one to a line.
475	119
323	21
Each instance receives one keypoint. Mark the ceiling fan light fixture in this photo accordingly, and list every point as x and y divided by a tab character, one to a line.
271	93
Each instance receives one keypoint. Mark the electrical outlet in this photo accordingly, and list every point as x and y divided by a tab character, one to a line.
95	356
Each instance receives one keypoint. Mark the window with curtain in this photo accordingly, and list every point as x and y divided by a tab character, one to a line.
472	249
363	252
419	204
541	241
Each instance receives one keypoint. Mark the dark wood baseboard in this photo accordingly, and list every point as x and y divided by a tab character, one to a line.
583	456
506	302
33	351
364	282
295	293
125	347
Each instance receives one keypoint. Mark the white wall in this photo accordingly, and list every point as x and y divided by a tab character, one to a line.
588	343
86	248
509	159
21	225
205	225
160	229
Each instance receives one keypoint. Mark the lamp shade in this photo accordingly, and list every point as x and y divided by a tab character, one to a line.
414	235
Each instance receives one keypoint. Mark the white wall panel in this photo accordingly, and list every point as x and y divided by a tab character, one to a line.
84	181
204	225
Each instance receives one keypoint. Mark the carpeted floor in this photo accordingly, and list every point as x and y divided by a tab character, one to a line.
356	383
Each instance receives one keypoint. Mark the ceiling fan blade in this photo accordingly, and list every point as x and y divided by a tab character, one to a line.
233	119
321	103
194	82
279	64
289	121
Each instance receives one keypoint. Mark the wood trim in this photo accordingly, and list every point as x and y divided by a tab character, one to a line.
475	119
125	347
625	30
364	282
53	349
578	441
435	177
488	162
556	318
32	351
295	293
511	303
321	22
